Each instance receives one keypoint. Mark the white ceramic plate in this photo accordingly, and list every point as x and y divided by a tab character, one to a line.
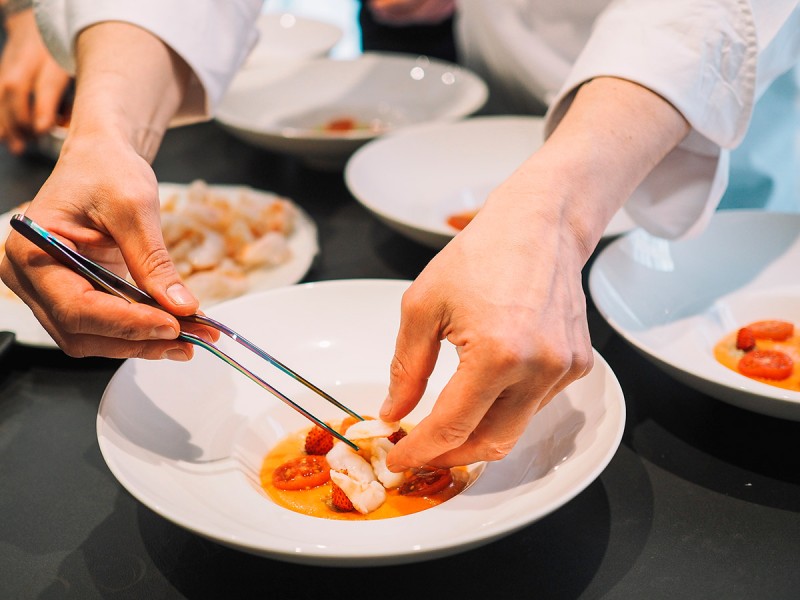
673	301
187	439
284	35
17	317
283	106
414	179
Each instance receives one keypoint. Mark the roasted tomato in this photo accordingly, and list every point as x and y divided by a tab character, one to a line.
426	481
769	364
772	329
302	473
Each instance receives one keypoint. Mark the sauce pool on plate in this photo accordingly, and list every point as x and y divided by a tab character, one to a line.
295	474
767	351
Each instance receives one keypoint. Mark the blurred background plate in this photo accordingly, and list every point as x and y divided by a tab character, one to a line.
188	439
673	301
414	179
297	107
285	35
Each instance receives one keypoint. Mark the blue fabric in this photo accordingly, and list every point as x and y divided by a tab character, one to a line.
765	168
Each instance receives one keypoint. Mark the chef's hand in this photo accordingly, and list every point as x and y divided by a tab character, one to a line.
114	221
411	12
507	290
510	300
32	84
102	198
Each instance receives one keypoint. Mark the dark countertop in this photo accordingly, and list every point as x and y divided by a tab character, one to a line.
702	499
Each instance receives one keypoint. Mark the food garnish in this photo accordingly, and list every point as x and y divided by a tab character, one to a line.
354	485
766	350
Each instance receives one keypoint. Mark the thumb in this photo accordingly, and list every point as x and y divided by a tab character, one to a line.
416	350
151	267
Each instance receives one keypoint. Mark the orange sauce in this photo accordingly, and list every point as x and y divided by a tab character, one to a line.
315	502
727	354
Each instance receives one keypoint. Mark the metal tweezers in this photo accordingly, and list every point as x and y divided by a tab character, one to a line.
106	281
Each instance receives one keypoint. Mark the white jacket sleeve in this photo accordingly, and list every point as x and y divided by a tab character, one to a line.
711	59
213	36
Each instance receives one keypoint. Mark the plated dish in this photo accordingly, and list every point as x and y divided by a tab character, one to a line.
285	106
415	180
301	247
674	301
188	440
285	35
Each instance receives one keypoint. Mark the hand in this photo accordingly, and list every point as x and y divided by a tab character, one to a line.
116	223
102	198
510	299
32	84
411	12
507	291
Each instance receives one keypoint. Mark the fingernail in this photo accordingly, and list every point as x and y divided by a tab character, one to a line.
386	409
179	294
163	332
395	468
175	354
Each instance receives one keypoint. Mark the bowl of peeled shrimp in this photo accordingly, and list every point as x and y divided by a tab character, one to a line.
209	450
321	110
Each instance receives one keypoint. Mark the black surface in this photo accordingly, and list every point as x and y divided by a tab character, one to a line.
700	501
6	339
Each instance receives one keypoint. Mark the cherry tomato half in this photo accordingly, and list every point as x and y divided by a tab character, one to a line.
302	473
769	364
772	329
426	481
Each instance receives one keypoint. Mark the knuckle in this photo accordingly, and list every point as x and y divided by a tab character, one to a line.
158	262
496	450
451	435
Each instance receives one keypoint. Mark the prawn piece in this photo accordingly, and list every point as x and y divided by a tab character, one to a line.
271	249
209	252
371	428
343	458
365	496
379	449
351	472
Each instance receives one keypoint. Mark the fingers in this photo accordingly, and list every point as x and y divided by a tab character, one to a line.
49	88
90	323
416	350
142	245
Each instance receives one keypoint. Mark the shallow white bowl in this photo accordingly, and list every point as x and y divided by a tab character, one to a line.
188	439
414	179
673	301
285	35
283	105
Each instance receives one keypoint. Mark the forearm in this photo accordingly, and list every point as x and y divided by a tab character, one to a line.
613	135
129	84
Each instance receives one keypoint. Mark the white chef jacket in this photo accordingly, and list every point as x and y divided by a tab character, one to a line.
712	59
214	37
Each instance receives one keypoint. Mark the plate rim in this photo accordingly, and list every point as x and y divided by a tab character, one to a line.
737	395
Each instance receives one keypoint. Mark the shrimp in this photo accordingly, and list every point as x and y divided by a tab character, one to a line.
380	448
209	252
365	496
270	249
